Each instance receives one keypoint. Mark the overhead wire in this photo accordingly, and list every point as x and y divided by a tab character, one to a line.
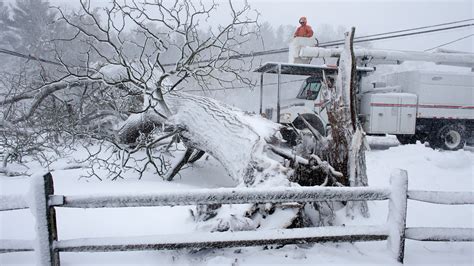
245	87
29	57
453	41
405	30
414	33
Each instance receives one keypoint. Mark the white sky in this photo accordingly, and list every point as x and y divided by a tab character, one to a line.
368	16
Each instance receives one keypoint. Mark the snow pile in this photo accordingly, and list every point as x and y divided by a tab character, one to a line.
384	142
428	169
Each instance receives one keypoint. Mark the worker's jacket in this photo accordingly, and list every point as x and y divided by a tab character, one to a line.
304	31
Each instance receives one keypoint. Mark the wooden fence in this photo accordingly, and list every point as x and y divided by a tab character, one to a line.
394	231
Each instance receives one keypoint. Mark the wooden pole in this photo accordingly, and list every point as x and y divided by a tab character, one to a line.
261	93
278	94
397	213
49	224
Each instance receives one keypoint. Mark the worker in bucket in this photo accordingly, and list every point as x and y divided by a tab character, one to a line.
304	30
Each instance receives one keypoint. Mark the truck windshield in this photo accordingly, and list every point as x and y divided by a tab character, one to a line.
309	90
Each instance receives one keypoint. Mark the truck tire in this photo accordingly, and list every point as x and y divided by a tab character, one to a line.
313	120
450	137
290	135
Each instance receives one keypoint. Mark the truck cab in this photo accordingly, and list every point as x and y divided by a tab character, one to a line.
308	102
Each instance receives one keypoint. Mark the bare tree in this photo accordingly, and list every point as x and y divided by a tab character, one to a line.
118	76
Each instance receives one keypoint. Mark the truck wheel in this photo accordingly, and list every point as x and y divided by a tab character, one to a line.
291	136
450	137
313	120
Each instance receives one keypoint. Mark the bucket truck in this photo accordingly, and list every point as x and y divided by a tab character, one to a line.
432	106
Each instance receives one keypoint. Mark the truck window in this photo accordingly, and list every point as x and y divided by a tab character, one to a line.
309	91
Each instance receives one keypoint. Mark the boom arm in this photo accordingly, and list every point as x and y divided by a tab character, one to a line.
390	56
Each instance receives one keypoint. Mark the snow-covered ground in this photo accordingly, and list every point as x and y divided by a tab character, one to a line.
428	169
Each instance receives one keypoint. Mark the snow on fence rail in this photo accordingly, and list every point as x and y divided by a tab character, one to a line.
225	196
47	246
226	239
13	202
442	197
441	233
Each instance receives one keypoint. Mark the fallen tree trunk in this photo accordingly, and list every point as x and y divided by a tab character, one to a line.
237	140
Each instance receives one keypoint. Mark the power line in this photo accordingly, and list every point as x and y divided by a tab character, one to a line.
29	57
246	87
414	33
444	44
405	30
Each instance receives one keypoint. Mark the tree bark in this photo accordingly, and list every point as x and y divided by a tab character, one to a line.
177	167
347	153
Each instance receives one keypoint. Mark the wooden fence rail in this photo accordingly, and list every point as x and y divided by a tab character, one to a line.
442	197
395	231
443	233
10	203
224	196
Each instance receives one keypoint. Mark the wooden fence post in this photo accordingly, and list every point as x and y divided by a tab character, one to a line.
397	213
46	232
51	218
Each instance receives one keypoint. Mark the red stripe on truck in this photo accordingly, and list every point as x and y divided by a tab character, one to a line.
422	105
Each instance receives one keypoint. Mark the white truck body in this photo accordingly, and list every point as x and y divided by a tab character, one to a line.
440	94
418	95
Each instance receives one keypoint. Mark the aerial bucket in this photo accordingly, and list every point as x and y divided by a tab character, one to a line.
294	50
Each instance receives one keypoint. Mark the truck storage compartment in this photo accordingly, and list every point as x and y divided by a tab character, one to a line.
389	113
441	95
